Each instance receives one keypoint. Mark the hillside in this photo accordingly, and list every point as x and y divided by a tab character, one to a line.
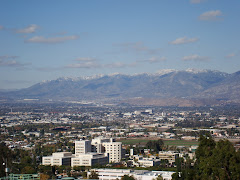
170	87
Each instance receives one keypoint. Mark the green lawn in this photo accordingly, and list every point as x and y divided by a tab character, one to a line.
166	142
180	143
134	141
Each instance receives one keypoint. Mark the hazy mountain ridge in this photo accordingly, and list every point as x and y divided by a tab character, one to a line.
228	89
168	84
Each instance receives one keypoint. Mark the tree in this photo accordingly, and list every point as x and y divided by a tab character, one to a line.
155	145
28	170
93	175
204	152
47	170
127	177
226	162
84	175
214	161
205	148
184	169
44	176
6	156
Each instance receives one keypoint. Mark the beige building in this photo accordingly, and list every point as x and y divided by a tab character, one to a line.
89	159
168	155
149	162
106	145
82	147
84	157
114	149
58	159
97	144
88	153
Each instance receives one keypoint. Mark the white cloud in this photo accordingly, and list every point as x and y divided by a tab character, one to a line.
30	29
197	1
138	47
231	55
48	69
7	57
9	61
116	65
85	59
183	40
210	15
195	57
50	40
88	63
85	62
84	65
120	65
154	59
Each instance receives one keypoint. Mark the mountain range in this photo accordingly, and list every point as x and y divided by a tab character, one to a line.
167	87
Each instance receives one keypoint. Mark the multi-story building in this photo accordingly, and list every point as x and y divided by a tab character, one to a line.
58	159
168	155
114	149
85	157
88	153
97	144
89	159
82	147
82	157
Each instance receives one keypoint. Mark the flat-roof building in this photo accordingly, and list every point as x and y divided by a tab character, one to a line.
58	159
89	159
113	174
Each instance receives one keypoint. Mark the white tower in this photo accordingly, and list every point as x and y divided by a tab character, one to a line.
82	147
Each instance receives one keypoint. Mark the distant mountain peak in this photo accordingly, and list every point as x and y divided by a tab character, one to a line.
165	84
158	73
44	81
189	70
165	71
196	71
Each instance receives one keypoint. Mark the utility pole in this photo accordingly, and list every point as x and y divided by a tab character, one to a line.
7	170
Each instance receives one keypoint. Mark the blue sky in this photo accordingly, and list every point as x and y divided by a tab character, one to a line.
45	40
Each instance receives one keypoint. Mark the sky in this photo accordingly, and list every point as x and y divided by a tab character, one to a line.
45	40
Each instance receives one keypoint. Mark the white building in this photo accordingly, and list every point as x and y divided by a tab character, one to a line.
84	156
113	174
148	162
88	153
97	144
150	111
58	159
131	152
168	155
89	159
82	147
114	149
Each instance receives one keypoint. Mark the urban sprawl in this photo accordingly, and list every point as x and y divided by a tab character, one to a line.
59	140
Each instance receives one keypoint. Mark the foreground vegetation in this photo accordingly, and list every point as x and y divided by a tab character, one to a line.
214	160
